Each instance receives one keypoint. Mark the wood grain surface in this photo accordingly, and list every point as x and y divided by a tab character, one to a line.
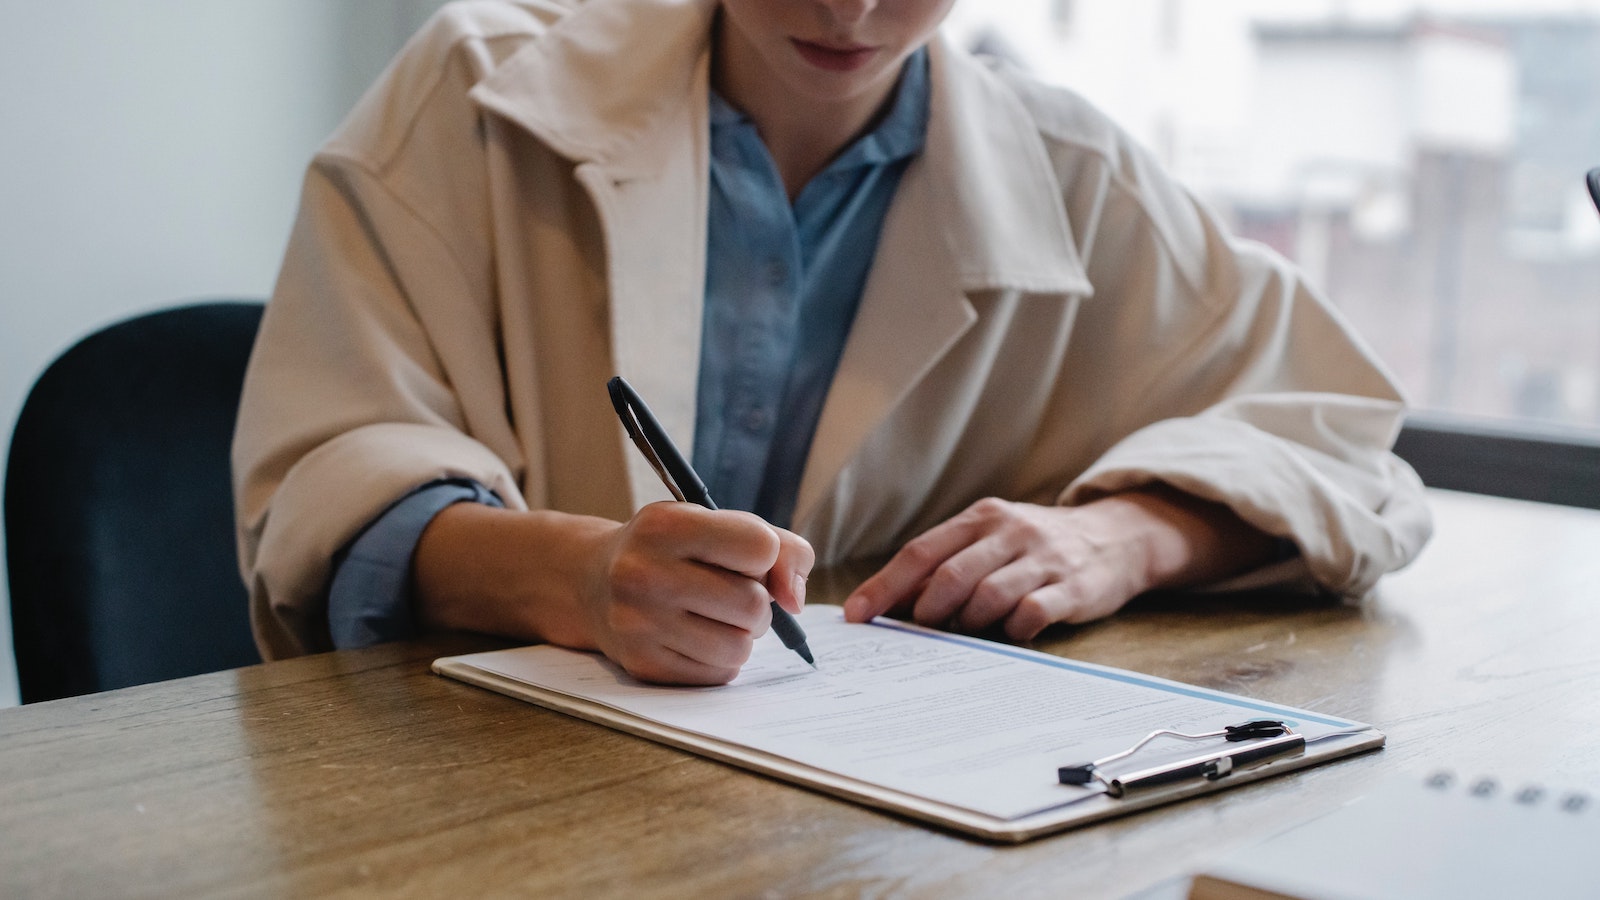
360	773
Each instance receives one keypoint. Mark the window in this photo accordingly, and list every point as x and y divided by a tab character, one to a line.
1423	162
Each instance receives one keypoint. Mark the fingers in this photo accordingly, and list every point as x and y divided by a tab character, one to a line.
1036	611
727	539
900	582
998	596
1014	565
1069	602
688	590
786	581
973	574
681	622
662	665
709	642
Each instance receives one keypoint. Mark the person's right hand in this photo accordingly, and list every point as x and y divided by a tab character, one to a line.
681	592
677	595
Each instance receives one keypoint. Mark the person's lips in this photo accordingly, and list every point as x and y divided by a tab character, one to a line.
833	57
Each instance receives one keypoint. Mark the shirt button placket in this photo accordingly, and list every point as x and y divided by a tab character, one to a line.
777	274
755	419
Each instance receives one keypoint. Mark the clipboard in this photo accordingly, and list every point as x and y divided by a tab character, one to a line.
1018	798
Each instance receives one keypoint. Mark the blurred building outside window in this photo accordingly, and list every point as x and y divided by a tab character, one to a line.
1423	162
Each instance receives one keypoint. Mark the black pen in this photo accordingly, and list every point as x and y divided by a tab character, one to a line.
680	478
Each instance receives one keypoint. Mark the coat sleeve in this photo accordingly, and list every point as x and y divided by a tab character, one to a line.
379	366
354	395
1237	383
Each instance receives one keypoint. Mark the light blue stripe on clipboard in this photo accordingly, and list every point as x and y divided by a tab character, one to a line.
1161	684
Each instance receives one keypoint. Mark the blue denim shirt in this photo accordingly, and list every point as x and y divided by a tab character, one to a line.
782	285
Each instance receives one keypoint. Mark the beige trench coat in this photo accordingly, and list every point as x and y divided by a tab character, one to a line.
517	211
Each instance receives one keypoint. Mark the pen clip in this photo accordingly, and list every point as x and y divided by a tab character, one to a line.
658	449
623	403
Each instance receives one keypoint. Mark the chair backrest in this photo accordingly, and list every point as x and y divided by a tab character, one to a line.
118	507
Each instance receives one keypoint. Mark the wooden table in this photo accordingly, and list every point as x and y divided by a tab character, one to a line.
360	772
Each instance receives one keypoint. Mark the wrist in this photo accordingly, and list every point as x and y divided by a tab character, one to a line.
1186	541
519	574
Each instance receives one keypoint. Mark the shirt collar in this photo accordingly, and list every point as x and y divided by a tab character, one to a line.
724	113
904	129
607	81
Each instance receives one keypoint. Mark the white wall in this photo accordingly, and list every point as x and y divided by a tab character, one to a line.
151	152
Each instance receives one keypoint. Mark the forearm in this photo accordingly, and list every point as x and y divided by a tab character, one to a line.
524	575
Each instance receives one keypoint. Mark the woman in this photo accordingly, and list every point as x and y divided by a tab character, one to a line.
899	300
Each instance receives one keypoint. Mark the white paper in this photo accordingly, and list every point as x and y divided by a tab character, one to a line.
974	724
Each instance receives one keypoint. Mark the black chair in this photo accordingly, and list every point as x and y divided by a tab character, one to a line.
118	509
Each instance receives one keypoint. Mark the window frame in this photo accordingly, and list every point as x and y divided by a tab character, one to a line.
1504	458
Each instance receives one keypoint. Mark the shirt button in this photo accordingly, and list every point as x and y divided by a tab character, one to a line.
755	420
777	274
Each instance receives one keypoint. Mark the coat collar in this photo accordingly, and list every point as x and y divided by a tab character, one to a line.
611	83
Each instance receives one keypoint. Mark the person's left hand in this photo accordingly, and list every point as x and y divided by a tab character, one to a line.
1023	566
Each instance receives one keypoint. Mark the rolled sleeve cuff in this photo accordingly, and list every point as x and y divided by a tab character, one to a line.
369	598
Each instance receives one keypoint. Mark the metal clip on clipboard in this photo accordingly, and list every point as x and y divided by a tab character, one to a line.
1270	740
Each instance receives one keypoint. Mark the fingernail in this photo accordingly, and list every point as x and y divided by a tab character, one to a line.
800	588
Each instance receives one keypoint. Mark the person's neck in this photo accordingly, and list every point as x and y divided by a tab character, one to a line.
801	133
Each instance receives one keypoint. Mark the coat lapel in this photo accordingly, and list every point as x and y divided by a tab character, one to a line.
980	210
621	89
